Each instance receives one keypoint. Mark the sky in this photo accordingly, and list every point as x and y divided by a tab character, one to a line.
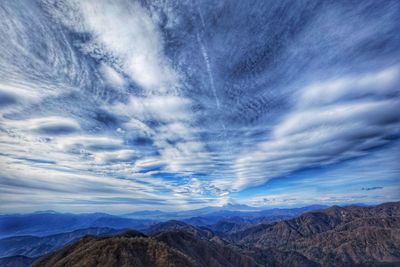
119	106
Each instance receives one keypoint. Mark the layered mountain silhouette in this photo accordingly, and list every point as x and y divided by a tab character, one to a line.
337	236
35	246
45	223
211	215
49	223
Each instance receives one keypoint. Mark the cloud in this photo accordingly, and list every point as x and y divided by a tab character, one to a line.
382	84
50	126
164	108
127	36
112	77
339	127
114	156
7	99
14	96
88	142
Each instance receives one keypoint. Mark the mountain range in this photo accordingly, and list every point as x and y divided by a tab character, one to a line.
51	223
45	223
334	236
36	234
35	246
217	213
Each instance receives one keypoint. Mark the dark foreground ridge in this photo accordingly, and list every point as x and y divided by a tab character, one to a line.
167	249
337	236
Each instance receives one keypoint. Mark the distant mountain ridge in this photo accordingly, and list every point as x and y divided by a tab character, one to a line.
250	217
42	223
35	246
50	223
217	213
185	214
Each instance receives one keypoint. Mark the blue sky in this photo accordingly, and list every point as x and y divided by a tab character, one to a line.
121	105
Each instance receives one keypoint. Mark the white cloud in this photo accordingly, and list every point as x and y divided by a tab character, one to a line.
128	32
19	93
185	157
176	130
88	142
380	84
52	125
326	127
165	108
112	77
105	157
